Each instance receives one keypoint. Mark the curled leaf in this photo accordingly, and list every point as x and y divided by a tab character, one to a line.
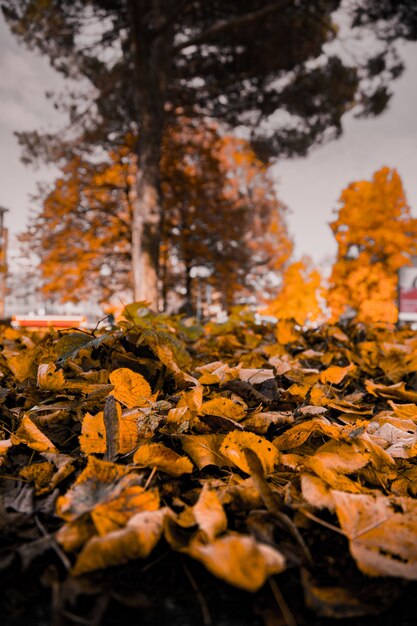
50	378
135	541
233	448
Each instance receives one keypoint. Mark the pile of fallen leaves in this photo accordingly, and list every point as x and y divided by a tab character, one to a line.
159	451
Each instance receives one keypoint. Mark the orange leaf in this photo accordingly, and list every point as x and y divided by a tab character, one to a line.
233	448
34	438
163	458
130	388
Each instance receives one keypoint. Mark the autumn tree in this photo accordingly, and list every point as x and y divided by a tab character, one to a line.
300	294
221	213
82	233
266	65
376	236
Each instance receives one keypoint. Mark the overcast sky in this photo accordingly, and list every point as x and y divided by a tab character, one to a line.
309	186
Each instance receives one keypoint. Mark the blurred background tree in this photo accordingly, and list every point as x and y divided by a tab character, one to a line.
300	296
264	65
376	236
220	214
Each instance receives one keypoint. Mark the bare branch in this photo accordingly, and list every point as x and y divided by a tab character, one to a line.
224	25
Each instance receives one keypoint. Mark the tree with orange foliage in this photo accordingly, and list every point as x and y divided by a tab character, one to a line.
299	295
220	213
82	233
376	236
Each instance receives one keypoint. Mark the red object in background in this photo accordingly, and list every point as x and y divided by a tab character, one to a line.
408	300
49	321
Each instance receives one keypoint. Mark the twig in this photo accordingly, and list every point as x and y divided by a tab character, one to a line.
151	475
54	545
282	603
314	518
201	599
111	424
274	503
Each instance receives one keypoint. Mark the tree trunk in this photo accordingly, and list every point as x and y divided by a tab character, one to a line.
152	47
188	304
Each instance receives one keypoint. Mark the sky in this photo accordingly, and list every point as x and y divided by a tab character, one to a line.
309	186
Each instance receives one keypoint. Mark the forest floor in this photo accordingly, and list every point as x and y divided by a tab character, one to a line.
226	475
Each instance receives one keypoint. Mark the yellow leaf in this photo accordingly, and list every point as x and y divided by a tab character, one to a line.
29	434
39	474
396	392
204	450
345	458
297	435
191	399
115	512
22	364
382	533
233	448
239	560
5	444
316	492
73	535
130	388
135	541
260	422
203	521
179	414
93	433
95	484
209	514
49	378
334	374
223	407
216	372
404	411
163	458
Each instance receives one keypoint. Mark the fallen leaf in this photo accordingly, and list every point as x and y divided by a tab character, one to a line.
233	448
95	484
209	514
335	374
130	388
223	407
298	434
163	458
204	450
29	434
135	541
115	512
382	533
239	560
50	378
